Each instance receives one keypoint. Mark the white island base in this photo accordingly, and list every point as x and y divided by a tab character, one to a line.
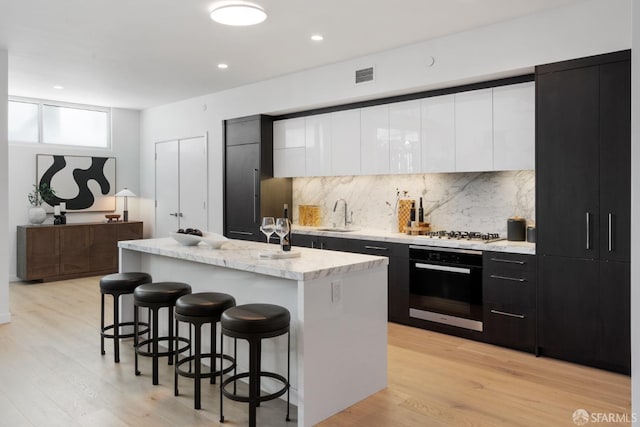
338	305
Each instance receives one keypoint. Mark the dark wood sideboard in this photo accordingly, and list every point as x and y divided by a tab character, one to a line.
56	252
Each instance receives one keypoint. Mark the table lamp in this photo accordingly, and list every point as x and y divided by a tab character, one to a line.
125	192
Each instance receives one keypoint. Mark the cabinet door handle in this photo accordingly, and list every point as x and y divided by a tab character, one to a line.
313	244
588	231
243	233
376	248
610	232
174	214
321	245
495	276
504	313
255	194
509	261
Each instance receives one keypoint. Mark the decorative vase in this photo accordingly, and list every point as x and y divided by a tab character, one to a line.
37	215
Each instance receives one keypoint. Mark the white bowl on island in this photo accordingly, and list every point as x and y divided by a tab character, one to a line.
185	239
214	240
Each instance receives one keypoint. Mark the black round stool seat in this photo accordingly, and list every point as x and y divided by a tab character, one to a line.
123	282
196	310
160	292
116	285
208	304
256	319
156	296
253	323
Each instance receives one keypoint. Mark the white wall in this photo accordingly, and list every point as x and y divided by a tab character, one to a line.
125	134
508	48
5	315
635	213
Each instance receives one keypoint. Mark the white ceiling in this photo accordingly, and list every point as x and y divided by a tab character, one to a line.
142	53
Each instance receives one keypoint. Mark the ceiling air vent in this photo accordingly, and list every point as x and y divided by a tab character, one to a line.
364	75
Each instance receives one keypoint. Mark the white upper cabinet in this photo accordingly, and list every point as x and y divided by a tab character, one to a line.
289	133
289	157
345	142
514	127
474	131
404	137
438	134
318	145
374	140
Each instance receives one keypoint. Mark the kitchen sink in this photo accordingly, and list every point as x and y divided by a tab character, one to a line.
339	230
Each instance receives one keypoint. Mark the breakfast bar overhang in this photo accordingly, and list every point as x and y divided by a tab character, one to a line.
338	305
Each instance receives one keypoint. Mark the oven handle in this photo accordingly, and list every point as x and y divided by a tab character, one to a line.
443	268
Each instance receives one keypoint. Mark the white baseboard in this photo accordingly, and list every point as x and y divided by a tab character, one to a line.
5	318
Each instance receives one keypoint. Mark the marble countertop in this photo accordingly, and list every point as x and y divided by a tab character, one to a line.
385	236
245	256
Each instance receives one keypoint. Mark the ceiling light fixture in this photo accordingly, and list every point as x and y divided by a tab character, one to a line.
58	87
223	66
237	13
317	37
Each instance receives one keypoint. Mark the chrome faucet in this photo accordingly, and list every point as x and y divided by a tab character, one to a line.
346	218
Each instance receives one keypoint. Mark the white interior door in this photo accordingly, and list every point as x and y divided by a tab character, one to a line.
167	188
193	212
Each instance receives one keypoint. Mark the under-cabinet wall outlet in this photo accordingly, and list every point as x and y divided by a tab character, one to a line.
336	291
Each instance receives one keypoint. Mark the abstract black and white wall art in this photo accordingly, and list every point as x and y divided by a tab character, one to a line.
85	184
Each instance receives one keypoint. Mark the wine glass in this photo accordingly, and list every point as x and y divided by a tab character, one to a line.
282	228
268	226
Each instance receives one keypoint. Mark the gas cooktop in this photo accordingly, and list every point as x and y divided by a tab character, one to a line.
464	235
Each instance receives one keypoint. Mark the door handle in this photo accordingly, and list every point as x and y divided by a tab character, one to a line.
255	194
610	232
443	268
588	231
244	233
174	214
376	248
508	261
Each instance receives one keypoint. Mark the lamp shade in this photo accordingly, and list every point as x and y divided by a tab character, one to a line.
125	192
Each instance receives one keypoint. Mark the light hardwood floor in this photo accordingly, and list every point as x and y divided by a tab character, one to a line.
52	374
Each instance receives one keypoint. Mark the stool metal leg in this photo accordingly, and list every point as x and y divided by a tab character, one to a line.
102	324
214	346
116	328
198	366
155	346
175	371
254	379
221	352
288	372
135	336
170	317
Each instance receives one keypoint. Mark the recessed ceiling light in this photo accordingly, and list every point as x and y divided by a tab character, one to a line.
223	66
317	37
58	87
237	13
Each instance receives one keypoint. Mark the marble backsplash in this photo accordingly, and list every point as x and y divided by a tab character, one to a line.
480	201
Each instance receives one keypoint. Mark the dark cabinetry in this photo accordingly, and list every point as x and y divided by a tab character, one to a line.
398	270
509	292
250	191
48	252
583	191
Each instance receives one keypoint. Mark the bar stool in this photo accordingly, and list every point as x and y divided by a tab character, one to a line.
198	309
253	322
156	296
116	285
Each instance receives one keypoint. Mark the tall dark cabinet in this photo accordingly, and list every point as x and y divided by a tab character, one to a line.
583	207
250	191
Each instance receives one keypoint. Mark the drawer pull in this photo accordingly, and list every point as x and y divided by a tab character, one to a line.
376	248
504	313
509	261
244	233
513	279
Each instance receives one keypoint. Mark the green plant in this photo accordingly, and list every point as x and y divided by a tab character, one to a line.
41	193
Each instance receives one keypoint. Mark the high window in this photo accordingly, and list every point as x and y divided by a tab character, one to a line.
46	122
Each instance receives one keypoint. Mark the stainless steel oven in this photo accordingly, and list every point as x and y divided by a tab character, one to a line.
446	286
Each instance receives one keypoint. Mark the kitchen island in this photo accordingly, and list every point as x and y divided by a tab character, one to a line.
338	305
